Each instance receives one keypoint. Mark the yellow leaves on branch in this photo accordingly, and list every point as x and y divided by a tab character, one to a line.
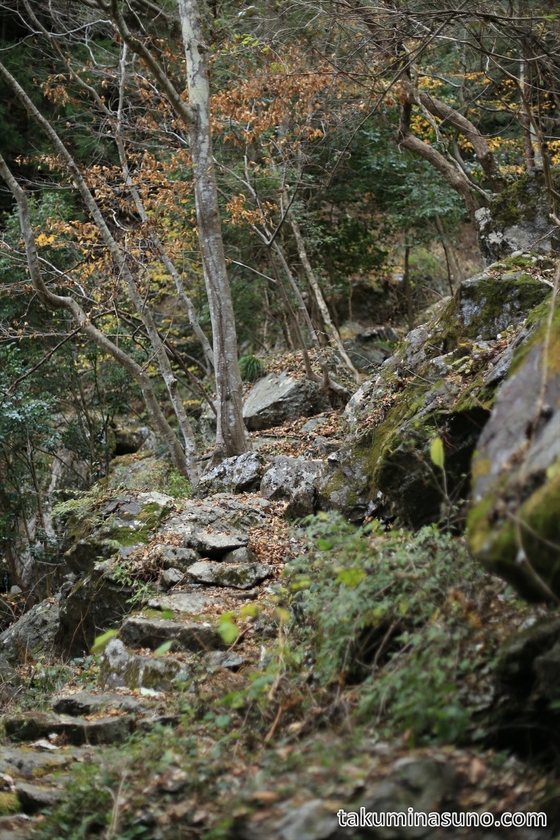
240	214
46	239
56	89
288	96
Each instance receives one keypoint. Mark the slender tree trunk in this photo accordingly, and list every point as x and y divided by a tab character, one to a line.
231	435
453	271
408	288
321	303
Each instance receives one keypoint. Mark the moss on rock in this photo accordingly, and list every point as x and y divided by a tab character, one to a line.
442	382
514	525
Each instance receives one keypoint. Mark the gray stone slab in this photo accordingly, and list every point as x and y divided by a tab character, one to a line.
191	603
213	544
153	632
235	575
29	762
85	703
34	798
33	725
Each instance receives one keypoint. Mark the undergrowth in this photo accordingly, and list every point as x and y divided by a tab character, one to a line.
251	368
395	616
372	636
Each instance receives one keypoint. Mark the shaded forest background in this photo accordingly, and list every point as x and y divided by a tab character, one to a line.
354	144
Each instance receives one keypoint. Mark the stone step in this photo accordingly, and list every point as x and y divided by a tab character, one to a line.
120	668
31	726
34	798
235	575
153	632
85	703
31	764
191	603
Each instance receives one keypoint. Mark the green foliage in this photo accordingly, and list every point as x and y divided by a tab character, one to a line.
80	504
437	453
127	574
228	630
101	642
378	610
251	368
178	486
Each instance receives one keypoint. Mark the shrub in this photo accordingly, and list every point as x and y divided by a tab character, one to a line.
251	368
392	613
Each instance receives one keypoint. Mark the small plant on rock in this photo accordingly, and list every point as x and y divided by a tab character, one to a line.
251	368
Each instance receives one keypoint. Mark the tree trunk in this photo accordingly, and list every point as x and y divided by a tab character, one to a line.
321	303
231	435
408	288
454	178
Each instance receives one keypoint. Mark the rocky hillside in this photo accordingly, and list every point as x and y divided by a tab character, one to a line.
308	632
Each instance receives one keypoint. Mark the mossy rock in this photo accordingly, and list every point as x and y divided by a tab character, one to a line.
514	523
115	526
142	471
442	382
518	219
9	803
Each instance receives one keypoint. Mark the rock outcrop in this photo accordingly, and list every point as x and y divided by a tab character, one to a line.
279	397
32	634
441	383
514	525
518	220
295	480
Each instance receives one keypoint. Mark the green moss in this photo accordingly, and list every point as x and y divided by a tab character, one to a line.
522	200
496	544
152	514
139	471
9	804
477	395
481	467
521	292
521	261
540	525
128	536
540	315
387	435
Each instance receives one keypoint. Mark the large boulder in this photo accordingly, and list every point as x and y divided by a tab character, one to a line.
440	383
96	603
518	219
32	634
239	474
122	669
514	524
295	480
279	397
101	528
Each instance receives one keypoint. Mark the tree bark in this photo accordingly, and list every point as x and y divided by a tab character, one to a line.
449	115
231	435
321	303
454	178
